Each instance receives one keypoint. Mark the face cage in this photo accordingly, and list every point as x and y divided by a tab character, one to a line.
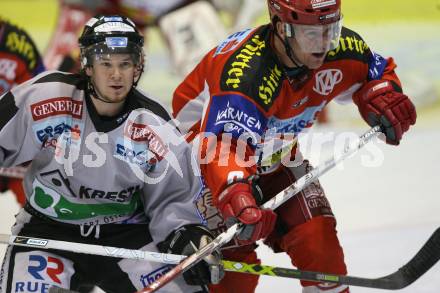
315	38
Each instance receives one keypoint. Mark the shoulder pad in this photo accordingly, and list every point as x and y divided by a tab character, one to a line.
351	46
155	107
68	78
253	70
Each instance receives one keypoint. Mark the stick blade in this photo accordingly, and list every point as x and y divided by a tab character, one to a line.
424	260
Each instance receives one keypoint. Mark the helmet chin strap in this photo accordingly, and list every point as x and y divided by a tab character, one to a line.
92	92
299	74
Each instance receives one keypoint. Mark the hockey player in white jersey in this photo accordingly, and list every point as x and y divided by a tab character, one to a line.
107	167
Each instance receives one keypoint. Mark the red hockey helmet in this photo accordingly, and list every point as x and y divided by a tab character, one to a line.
315	24
312	12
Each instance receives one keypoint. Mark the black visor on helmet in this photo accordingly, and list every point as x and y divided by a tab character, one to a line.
112	45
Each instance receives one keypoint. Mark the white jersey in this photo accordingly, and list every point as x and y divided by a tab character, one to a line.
87	169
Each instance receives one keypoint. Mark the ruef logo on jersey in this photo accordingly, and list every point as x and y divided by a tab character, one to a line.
38	271
325	81
57	106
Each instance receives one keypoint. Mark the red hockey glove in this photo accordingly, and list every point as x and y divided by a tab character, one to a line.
237	203
380	104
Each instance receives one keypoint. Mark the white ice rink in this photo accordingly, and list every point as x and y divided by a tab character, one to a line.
385	213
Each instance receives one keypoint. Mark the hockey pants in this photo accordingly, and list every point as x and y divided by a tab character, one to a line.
305	230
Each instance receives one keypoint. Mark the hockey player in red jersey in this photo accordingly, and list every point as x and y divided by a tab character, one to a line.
19	61
277	78
190	28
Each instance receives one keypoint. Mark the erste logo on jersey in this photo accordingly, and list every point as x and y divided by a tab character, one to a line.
38	271
135	153
143	133
231	42
57	132
326	80
52	128
57	106
298	123
117	196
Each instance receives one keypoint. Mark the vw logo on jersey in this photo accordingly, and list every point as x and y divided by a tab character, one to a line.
325	81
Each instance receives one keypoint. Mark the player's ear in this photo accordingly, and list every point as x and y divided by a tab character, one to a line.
88	71
280	28
137	72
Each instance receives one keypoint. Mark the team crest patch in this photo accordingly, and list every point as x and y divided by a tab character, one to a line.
326	80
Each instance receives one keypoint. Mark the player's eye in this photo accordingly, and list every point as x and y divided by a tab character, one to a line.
126	65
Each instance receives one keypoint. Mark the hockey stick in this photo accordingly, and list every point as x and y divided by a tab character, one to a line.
276	201
425	258
42	243
13	172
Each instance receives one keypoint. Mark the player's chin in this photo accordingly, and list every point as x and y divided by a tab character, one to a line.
117	95
315	60
114	98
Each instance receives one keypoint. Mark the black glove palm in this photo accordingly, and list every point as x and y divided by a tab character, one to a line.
186	241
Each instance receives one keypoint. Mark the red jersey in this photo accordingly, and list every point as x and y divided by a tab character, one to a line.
19	57
19	61
241	89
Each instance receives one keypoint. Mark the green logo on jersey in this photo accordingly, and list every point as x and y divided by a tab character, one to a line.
54	205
